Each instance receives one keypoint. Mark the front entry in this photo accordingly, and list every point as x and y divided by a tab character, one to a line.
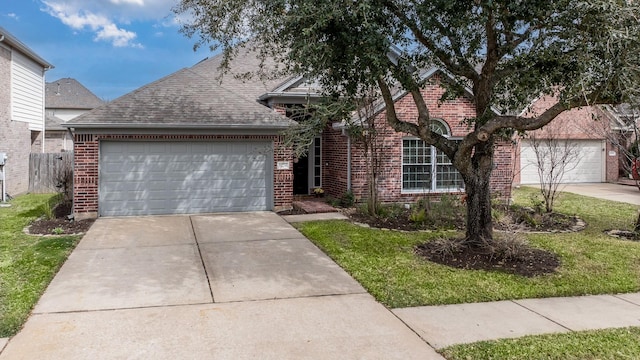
301	176
307	170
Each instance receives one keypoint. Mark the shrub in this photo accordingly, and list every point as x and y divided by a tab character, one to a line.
347	199
418	216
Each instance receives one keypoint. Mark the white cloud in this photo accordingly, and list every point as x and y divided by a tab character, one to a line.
135	2
106	17
13	16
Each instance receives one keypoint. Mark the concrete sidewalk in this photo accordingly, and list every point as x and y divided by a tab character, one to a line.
447	325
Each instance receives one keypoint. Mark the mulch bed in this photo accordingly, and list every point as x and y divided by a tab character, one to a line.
60	225
529	263
401	222
533	262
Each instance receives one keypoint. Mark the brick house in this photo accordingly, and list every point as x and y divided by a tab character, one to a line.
22	79
65	99
196	142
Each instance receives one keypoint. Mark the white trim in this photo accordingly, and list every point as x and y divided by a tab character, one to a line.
605	155
311	157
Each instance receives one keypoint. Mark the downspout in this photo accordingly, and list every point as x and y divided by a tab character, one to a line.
44	114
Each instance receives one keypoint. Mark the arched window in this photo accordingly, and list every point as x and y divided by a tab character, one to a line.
425	168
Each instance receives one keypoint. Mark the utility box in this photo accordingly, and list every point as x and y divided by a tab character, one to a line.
3	158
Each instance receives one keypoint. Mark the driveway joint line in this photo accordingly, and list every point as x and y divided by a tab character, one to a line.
291	298
133	247
204	267
250	240
543	316
142	307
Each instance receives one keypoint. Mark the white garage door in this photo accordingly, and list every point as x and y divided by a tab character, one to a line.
590	165
150	178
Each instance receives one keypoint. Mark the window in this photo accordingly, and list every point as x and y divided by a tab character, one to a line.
317	163
424	168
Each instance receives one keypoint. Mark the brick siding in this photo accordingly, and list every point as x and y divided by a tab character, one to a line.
86	173
453	112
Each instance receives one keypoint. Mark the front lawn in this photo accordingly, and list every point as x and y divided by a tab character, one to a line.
597	344
384	262
27	263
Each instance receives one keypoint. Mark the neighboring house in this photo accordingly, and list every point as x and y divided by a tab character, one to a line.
624	134
193	142
65	99
589	130
22	81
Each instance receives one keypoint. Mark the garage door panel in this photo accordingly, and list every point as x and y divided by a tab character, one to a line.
589	166
146	178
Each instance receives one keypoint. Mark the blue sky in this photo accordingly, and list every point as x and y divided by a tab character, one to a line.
111	46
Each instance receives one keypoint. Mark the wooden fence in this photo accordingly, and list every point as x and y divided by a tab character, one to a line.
47	172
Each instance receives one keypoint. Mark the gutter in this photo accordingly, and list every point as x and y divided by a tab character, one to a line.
73	126
12	41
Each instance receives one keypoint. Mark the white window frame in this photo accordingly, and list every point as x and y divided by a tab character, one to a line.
311	157
433	164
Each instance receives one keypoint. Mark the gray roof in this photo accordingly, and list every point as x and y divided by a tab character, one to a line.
7	38
185	99
53	123
245	62
68	93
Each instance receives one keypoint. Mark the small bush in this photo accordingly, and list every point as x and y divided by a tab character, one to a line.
508	246
347	199
447	247
390	211
418	216
57	231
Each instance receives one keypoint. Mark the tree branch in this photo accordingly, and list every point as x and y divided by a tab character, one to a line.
521	123
392	117
456	68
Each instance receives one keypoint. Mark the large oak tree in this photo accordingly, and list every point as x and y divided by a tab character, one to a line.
507	52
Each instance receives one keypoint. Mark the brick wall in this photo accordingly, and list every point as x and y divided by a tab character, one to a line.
453	112
612	162
334	158
15	136
56	141
86	158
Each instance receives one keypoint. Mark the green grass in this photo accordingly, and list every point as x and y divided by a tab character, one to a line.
27	263
599	344
591	262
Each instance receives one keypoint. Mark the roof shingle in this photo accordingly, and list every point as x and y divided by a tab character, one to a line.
68	93
186	98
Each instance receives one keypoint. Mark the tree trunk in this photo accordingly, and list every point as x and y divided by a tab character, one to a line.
479	220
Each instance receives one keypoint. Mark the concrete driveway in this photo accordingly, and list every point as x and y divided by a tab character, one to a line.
228	286
607	191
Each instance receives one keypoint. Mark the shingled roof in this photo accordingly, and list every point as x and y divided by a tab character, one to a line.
53	123
68	93
236	79
186	99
